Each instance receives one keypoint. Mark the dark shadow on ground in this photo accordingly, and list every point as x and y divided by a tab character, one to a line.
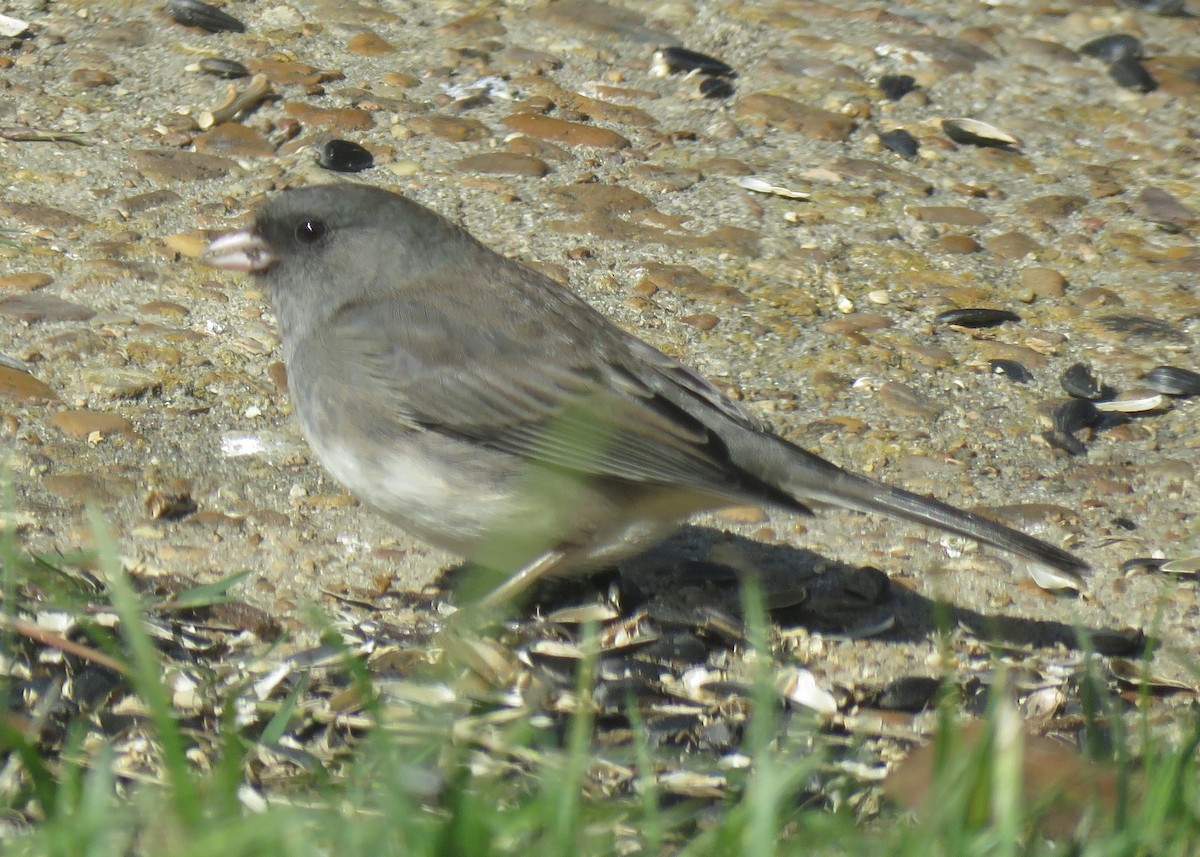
693	579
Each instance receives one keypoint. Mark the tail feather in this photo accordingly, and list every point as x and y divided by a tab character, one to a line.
818	480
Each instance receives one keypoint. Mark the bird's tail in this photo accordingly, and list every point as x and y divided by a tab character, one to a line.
808	477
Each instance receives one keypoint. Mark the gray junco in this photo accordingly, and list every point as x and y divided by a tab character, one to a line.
491	412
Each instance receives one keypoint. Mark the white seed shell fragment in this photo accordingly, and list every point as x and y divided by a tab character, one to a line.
759	186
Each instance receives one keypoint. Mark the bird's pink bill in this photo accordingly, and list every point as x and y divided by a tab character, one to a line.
243	250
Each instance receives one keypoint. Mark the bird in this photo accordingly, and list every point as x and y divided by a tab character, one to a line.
493	413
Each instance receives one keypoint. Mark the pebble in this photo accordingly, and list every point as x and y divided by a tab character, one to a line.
120	383
776	111
336	119
234	140
503	163
954	244
97	486
189	244
688	281
1164	210
23	387
1012	246
1044	282
34	307
955	215
1053	206
453	129
369	44
171	166
46	216
904	400
563	131
602	20
26	282
91	78
84	424
128	206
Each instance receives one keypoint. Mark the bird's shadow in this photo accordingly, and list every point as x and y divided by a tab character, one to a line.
697	575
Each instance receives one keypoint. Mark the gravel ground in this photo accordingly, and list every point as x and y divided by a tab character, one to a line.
819	312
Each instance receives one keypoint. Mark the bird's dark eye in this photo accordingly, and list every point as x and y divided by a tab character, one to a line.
311	231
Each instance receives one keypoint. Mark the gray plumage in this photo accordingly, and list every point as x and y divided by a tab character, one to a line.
493	413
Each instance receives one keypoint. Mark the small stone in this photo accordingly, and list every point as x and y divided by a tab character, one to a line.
43	216
27	282
1012	245
1054	206
115	383
686	280
478	25
79	488
1044	282
454	129
540	62
1043	50
81	424
92	78
189	244
956	215
283	73
724	167
503	163
234	140
171	166
779	112
603	20
562	131
1164	210
369	44
400	80
701	321
857	322
954	244
131	205
905	401
334	118
34	307
23	387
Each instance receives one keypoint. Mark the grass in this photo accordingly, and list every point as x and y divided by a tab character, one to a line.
487	781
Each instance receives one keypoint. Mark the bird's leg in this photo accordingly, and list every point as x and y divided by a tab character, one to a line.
544	565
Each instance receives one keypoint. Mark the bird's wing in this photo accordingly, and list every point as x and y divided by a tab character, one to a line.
506	387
